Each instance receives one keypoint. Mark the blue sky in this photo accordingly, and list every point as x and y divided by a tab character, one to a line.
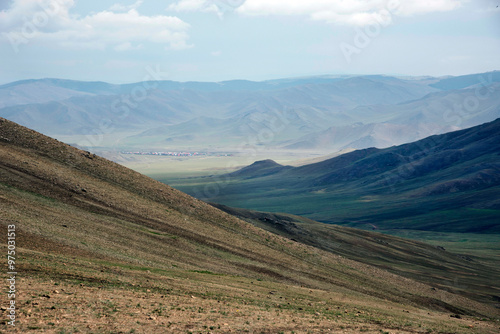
123	41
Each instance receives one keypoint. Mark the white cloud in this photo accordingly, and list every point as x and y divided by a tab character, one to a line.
118	7
127	46
209	6
120	27
354	12
189	5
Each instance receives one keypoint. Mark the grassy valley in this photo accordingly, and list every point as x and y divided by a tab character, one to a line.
445	183
442	190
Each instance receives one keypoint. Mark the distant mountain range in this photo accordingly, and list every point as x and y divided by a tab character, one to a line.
319	113
448	182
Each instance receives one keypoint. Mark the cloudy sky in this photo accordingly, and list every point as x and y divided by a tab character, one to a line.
122	41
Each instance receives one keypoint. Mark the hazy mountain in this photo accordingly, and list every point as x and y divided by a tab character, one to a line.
320	113
45	90
387	125
35	91
172	102
303	113
288	113
81	115
447	182
357	136
464	81
86	226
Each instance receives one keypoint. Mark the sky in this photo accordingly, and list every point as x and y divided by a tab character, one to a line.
121	41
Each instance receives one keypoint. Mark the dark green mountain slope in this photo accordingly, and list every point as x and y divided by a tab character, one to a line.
448	182
259	169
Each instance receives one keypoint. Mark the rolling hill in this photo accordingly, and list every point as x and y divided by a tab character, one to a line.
447	183
101	248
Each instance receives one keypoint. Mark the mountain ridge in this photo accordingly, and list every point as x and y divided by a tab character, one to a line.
440	183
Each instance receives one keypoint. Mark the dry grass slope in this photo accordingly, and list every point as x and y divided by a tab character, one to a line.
465	274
